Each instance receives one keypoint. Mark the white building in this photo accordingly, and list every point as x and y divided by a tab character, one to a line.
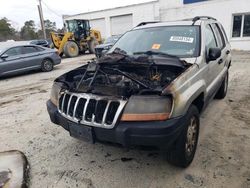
233	14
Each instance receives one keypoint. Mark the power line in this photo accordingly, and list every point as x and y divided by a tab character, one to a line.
51	9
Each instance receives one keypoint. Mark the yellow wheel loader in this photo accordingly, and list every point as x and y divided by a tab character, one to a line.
78	39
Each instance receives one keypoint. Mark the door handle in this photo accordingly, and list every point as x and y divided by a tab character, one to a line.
228	52
220	61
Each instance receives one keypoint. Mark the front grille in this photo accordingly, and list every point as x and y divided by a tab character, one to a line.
89	109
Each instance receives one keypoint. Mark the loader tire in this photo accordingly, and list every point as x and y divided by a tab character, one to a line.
71	49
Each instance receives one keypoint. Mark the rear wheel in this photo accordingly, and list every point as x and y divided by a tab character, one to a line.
183	153
222	92
71	49
47	65
92	44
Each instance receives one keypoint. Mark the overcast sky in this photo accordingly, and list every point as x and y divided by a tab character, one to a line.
18	11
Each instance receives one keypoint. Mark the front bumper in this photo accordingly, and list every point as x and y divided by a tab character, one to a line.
160	134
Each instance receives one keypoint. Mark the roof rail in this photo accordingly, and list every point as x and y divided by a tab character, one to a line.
202	17
145	23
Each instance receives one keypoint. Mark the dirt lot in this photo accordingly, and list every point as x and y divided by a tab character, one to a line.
57	160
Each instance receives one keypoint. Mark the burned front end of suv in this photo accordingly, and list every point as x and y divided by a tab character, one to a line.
127	96
119	99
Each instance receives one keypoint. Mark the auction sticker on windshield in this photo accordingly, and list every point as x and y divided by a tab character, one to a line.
181	39
156	46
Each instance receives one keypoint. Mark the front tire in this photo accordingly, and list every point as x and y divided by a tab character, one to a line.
47	65
184	150
71	49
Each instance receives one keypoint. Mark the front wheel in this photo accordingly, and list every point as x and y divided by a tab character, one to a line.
183	153
71	49
47	65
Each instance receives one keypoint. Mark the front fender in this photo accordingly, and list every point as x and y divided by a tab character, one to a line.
182	101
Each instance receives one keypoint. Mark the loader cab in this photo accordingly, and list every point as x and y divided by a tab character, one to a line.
80	28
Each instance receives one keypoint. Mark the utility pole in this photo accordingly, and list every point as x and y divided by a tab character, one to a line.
40	10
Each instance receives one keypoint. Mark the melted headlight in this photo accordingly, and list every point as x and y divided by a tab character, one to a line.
147	108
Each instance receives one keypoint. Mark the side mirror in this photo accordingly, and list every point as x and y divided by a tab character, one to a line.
4	56
213	54
104	52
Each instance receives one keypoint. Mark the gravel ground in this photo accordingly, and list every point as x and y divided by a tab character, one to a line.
58	160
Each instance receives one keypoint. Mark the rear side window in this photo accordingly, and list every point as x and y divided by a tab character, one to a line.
210	38
224	32
14	51
29	49
219	36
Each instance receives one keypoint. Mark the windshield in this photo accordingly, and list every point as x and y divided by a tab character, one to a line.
112	39
181	41
72	26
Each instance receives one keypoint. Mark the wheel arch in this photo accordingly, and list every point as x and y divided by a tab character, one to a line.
49	58
194	94
199	102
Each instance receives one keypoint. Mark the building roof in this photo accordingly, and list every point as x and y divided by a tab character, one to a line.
108	9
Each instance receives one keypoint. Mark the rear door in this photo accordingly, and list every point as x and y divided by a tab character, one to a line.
13	62
213	66
221	43
32	57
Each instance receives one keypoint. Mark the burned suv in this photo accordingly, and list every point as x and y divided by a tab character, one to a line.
149	89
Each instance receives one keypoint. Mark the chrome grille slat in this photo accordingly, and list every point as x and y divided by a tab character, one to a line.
101	117
105	112
74	111
63	101
85	108
69	104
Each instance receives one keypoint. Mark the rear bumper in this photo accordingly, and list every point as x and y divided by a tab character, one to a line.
160	134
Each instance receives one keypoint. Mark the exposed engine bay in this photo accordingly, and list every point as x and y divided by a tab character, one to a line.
124	77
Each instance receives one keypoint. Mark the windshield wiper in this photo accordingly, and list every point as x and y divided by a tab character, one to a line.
150	53
119	51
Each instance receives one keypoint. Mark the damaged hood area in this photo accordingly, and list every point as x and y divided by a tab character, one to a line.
122	75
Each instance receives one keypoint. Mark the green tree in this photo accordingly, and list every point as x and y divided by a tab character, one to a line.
28	31
6	30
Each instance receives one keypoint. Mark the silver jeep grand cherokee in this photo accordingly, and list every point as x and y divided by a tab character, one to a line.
149	89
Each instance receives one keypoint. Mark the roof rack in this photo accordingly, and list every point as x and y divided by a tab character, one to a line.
202	17
145	23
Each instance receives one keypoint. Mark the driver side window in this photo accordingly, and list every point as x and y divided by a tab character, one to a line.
210	38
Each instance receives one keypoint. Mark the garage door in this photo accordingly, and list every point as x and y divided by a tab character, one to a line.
121	24
99	24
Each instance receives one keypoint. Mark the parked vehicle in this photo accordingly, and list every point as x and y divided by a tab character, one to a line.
17	58
79	38
149	89
40	42
101	49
